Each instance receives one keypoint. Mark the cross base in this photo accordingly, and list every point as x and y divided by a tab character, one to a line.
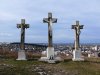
77	55
56	59
45	59
96	54
51	58
50	53
21	55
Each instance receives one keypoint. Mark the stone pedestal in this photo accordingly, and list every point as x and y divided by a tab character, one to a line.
89	55
51	61
96	54
77	55
21	55
50	53
51	58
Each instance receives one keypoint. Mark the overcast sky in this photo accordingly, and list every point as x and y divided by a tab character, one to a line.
66	11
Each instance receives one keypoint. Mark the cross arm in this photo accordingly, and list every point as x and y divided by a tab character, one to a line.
73	26
54	20
81	27
45	20
26	26
18	25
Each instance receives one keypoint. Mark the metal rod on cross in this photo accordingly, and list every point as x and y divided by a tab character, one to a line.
22	26
50	20
77	28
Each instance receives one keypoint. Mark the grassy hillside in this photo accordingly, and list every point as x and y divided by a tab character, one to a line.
68	67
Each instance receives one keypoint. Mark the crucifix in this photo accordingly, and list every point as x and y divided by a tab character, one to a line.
50	20
22	26
77	28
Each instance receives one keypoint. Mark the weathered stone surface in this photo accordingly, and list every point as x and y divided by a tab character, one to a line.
77	55
77	51
21	55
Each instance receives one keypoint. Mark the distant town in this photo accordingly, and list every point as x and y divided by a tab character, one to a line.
62	50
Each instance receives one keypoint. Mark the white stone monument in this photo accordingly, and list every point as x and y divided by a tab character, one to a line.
77	52
96	54
50	49
21	55
21	52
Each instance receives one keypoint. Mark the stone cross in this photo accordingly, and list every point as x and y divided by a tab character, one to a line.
50	20
22	26
77	28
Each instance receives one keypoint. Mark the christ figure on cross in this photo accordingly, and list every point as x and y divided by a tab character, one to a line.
22	26
77	28
50	20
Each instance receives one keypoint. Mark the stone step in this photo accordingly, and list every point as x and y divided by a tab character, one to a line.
51	61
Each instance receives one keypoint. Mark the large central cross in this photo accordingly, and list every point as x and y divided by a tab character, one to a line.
77	28
22	26
50	20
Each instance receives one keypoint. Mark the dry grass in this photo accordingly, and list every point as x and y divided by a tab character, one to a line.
9	66
89	67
